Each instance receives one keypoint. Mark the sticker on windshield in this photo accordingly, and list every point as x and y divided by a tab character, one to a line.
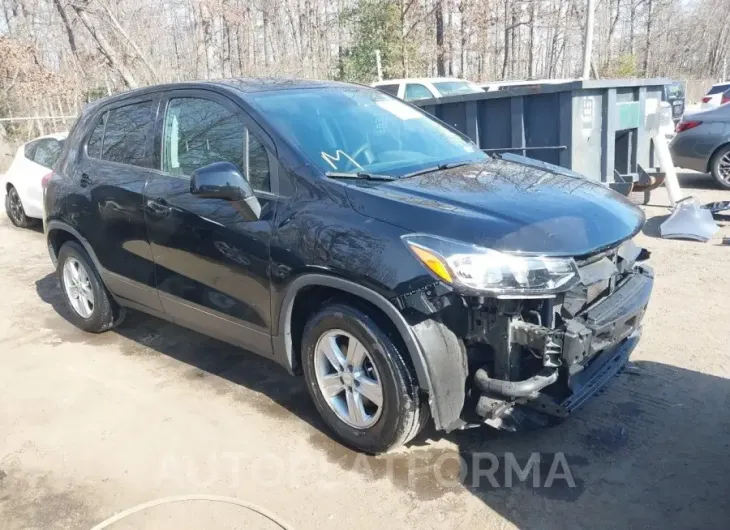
398	109
330	159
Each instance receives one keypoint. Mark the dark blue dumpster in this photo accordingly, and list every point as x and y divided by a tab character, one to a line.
601	129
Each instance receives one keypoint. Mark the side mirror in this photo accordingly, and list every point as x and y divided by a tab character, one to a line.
223	180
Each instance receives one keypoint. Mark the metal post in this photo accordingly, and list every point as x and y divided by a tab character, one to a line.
588	48
379	64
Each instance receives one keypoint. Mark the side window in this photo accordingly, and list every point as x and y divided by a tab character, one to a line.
47	152
258	165
29	149
416	91
126	134
389	89
93	146
198	132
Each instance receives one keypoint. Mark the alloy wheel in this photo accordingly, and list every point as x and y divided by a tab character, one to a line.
16	207
723	167
78	287
348	379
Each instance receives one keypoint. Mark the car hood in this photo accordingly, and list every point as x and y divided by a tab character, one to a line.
525	206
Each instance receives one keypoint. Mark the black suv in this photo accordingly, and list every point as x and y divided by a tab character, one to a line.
355	239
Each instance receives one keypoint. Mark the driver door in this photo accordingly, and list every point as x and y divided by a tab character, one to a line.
211	262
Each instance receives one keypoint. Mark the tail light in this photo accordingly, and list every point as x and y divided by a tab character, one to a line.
706	99
725	99
686	126
44	180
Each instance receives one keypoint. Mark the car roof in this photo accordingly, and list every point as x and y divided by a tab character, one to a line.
56	136
244	85
419	80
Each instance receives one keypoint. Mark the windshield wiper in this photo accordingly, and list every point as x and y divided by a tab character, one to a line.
440	167
362	175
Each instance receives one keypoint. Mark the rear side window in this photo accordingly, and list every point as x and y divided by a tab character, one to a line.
718	89
29	149
126	134
389	89
47	152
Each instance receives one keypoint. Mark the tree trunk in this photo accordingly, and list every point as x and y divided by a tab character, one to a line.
104	46
531	50
647	54
506	39
69	32
464	35
440	59
131	42
206	21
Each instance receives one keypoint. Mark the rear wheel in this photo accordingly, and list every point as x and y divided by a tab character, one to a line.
720	167
14	209
91	306
362	385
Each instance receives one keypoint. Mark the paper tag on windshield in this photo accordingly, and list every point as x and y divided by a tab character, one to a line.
402	111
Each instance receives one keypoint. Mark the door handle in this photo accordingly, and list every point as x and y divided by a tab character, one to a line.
159	207
85	180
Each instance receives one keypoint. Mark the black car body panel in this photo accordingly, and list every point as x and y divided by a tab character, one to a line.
561	216
206	264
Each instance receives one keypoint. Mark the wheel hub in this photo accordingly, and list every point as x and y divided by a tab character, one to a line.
78	287
348	379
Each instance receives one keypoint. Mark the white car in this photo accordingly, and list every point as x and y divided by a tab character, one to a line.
495	86
427	87
22	184
718	95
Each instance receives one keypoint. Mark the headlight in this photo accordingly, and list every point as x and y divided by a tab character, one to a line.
475	268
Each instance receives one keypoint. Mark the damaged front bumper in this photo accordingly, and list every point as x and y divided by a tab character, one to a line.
568	359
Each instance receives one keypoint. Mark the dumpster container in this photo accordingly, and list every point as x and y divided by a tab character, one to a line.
601	129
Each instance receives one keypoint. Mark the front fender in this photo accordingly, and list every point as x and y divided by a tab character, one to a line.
438	356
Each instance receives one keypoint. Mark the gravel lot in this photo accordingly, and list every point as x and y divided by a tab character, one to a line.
94	425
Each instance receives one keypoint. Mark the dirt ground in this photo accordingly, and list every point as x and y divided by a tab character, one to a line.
91	426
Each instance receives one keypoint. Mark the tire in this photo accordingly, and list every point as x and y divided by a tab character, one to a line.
402	413
15	211
104	313
721	158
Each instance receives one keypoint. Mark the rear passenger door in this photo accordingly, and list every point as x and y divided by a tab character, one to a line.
211	262
106	205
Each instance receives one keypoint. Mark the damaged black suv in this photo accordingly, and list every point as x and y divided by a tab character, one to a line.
352	238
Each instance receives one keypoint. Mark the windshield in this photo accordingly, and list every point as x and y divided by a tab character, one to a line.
449	88
362	130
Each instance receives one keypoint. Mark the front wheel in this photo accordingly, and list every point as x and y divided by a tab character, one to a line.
362	385
720	167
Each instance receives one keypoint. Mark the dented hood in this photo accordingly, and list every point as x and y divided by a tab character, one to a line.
524	206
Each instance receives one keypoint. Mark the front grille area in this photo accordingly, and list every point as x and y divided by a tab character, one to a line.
595	291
